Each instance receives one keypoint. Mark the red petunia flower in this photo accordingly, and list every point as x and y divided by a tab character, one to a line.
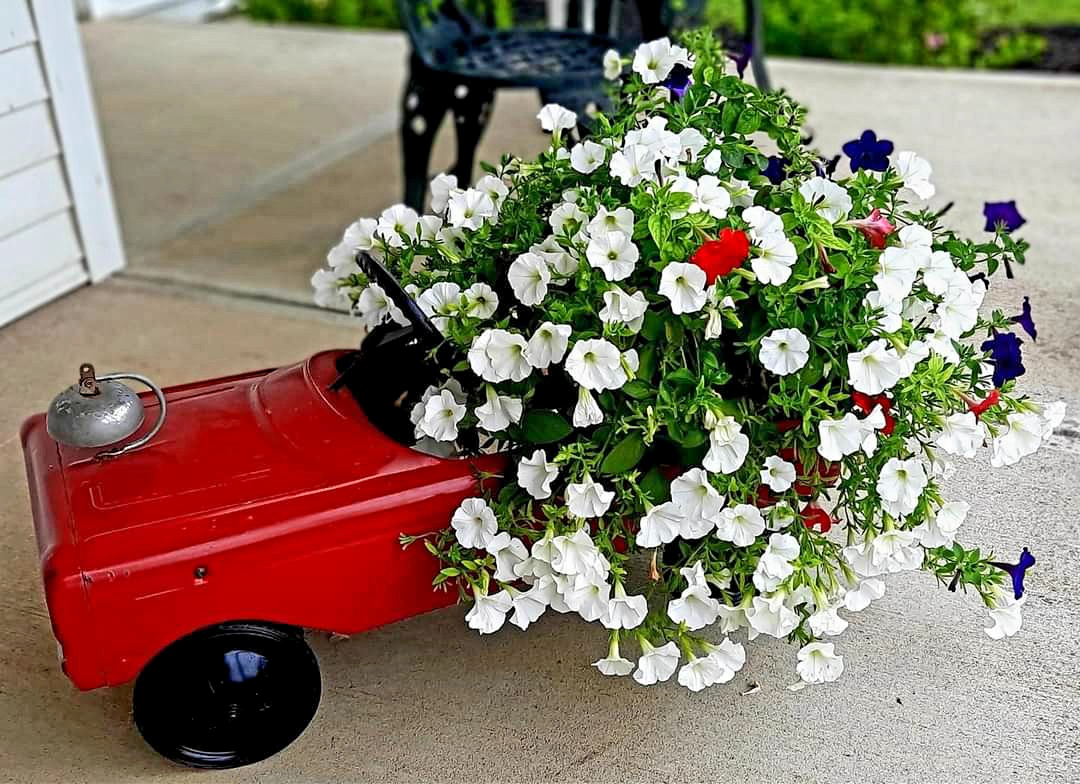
980	408
813	516
784	425
720	256
866	404
876	227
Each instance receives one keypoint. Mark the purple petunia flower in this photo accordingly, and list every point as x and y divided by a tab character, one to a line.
775	170
868	152
1026	321
1004	213
1017	570
678	81
1004	350
742	57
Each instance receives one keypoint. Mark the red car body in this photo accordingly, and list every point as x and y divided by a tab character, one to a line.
265	497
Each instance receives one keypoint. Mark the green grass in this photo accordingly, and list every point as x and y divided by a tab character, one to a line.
1024	12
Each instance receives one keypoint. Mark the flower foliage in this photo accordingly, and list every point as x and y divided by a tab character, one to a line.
751	385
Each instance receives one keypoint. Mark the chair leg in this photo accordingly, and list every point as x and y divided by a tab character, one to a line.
424	105
471	108
755	24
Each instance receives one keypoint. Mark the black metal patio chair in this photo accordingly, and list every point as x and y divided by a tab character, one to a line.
457	63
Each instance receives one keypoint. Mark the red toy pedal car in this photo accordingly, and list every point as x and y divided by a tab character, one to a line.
269	502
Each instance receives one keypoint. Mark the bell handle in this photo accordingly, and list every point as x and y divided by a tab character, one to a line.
157	425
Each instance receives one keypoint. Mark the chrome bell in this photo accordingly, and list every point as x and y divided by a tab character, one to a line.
98	411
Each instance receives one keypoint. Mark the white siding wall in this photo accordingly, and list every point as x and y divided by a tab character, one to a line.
57	221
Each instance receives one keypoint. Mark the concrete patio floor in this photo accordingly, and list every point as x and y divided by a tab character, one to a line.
239	153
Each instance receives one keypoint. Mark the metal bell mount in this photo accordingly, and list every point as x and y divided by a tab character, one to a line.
99	410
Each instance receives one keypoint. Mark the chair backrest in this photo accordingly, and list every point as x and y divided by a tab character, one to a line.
432	24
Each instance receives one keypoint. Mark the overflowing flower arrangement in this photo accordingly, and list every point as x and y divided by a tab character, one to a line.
729	382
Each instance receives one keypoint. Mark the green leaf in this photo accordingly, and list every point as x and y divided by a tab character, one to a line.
730	117
544	427
652	327
655	486
624	455
749	121
637	389
682	377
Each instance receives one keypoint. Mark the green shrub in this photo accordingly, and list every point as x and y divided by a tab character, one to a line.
913	32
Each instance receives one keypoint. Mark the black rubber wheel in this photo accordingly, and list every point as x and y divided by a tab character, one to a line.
228	696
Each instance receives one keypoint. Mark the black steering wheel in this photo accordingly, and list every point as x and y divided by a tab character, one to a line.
420	325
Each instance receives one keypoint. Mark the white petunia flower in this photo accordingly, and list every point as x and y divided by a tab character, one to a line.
961	434
547	590
710	197
620	219
763	224
1021	436
499	412
567	218
589	598
696	498
770	615
958	312
729	655
684	285
614	663
398	225
474	523
655	137
740	525
692	142
778	474
613	254
488	613
535	474
742	195
695	607
529	277
1007	618
442	188
508	552
784	351
728	446
660	525
588	499
440	302
573	555
915	172
940	529
612	65
818	663
561	264
596	365
826	623
891	318
441	416
328	290
773	265
654	60
939	271
495	189
896	272
587	412
841	437
497	355
361	235
656	664
858	598
374	307
528	606
915	236
900	484
587	157
553	118
830	199
622	308
701	672
895	551
625	612
633	164
874	369
548	344
774	566
470	209
481	301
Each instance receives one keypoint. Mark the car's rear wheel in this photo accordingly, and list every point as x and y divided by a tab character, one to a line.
229	695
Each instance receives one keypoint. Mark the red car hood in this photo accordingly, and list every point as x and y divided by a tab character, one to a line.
229	449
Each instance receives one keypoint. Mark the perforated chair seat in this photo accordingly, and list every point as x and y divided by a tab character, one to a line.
525	58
